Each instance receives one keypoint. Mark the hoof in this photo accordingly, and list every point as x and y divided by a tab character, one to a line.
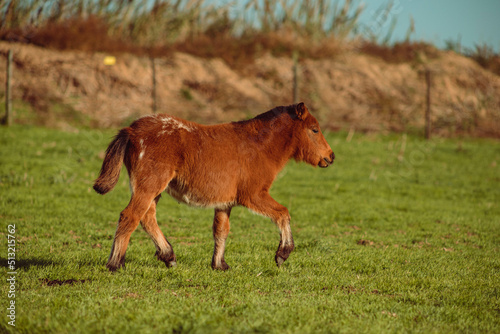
112	268
279	260
282	254
168	259
222	266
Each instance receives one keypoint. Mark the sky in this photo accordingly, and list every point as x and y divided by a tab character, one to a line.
469	21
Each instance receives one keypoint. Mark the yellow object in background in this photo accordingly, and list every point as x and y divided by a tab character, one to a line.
109	60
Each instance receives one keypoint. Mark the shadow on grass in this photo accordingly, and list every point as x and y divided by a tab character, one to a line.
56	282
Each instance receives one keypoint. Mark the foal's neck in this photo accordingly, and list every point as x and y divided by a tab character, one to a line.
274	130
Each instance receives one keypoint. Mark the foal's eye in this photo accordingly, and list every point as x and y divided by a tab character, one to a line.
315	130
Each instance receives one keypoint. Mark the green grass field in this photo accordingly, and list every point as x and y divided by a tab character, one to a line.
400	235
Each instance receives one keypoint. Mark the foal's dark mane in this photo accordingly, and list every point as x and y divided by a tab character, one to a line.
273	113
270	115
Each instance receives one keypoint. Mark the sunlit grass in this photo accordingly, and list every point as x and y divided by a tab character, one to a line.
400	234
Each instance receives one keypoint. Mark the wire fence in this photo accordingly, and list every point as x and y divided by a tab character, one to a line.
424	108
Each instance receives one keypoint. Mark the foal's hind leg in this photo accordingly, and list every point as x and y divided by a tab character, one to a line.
129	220
164	250
220	231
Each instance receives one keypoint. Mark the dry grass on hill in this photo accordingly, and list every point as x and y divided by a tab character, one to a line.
349	90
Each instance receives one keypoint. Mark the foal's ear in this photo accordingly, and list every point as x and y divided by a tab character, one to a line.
301	111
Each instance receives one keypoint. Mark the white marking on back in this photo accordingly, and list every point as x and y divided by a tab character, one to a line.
173	124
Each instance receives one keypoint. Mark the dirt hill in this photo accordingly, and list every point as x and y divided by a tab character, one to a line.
352	90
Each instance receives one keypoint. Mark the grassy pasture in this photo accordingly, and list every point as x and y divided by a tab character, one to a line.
400	235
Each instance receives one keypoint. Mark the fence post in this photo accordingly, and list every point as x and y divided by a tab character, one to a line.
428	80
295	76
8	94
153	92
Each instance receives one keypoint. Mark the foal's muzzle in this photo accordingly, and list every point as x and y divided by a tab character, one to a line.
325	162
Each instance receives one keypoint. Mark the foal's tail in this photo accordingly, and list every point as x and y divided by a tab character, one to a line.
112	164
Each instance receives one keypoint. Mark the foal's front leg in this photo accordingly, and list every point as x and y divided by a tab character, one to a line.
220	230
264	204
